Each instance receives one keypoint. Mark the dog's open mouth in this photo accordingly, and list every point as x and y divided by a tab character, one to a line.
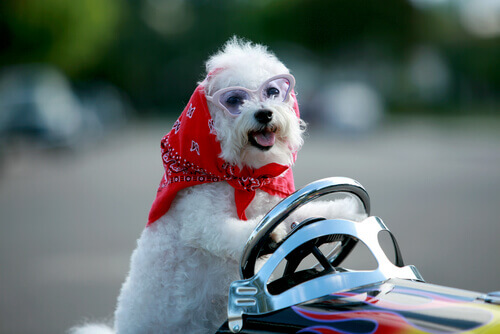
263	139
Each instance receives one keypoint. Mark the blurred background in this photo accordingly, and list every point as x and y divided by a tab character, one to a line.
402	95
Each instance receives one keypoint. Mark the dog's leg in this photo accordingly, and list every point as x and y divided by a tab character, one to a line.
209	220
221	236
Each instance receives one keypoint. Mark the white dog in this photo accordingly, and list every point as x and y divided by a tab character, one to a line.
227	162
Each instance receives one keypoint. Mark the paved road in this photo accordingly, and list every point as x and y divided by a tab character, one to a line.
69	221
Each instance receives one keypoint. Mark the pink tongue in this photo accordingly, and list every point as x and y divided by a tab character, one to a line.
264	138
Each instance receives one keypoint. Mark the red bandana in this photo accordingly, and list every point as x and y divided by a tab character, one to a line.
190	154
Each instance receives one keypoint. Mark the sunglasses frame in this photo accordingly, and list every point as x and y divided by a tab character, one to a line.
252	93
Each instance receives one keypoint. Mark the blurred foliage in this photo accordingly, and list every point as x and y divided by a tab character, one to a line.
325	26
73	35
154	49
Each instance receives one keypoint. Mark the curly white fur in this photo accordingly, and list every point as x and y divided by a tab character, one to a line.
184	262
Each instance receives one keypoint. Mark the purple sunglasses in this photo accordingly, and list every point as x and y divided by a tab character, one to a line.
232	98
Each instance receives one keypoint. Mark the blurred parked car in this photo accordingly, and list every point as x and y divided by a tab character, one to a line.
350	96
351	106
38	105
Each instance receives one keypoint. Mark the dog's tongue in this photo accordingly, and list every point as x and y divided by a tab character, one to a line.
264	138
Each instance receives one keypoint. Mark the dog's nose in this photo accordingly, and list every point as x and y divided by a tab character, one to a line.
264	116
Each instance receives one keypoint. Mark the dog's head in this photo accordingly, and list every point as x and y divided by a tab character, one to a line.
250	97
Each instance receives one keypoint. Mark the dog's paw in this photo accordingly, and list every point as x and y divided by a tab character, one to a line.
274	240
279	233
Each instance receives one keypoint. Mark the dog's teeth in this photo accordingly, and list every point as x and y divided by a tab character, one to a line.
264	138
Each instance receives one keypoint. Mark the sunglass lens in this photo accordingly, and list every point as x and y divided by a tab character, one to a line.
277	89
233	100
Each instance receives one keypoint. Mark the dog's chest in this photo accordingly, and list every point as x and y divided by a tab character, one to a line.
262	203
218	198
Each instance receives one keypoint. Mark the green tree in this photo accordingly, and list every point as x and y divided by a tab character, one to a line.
73	35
